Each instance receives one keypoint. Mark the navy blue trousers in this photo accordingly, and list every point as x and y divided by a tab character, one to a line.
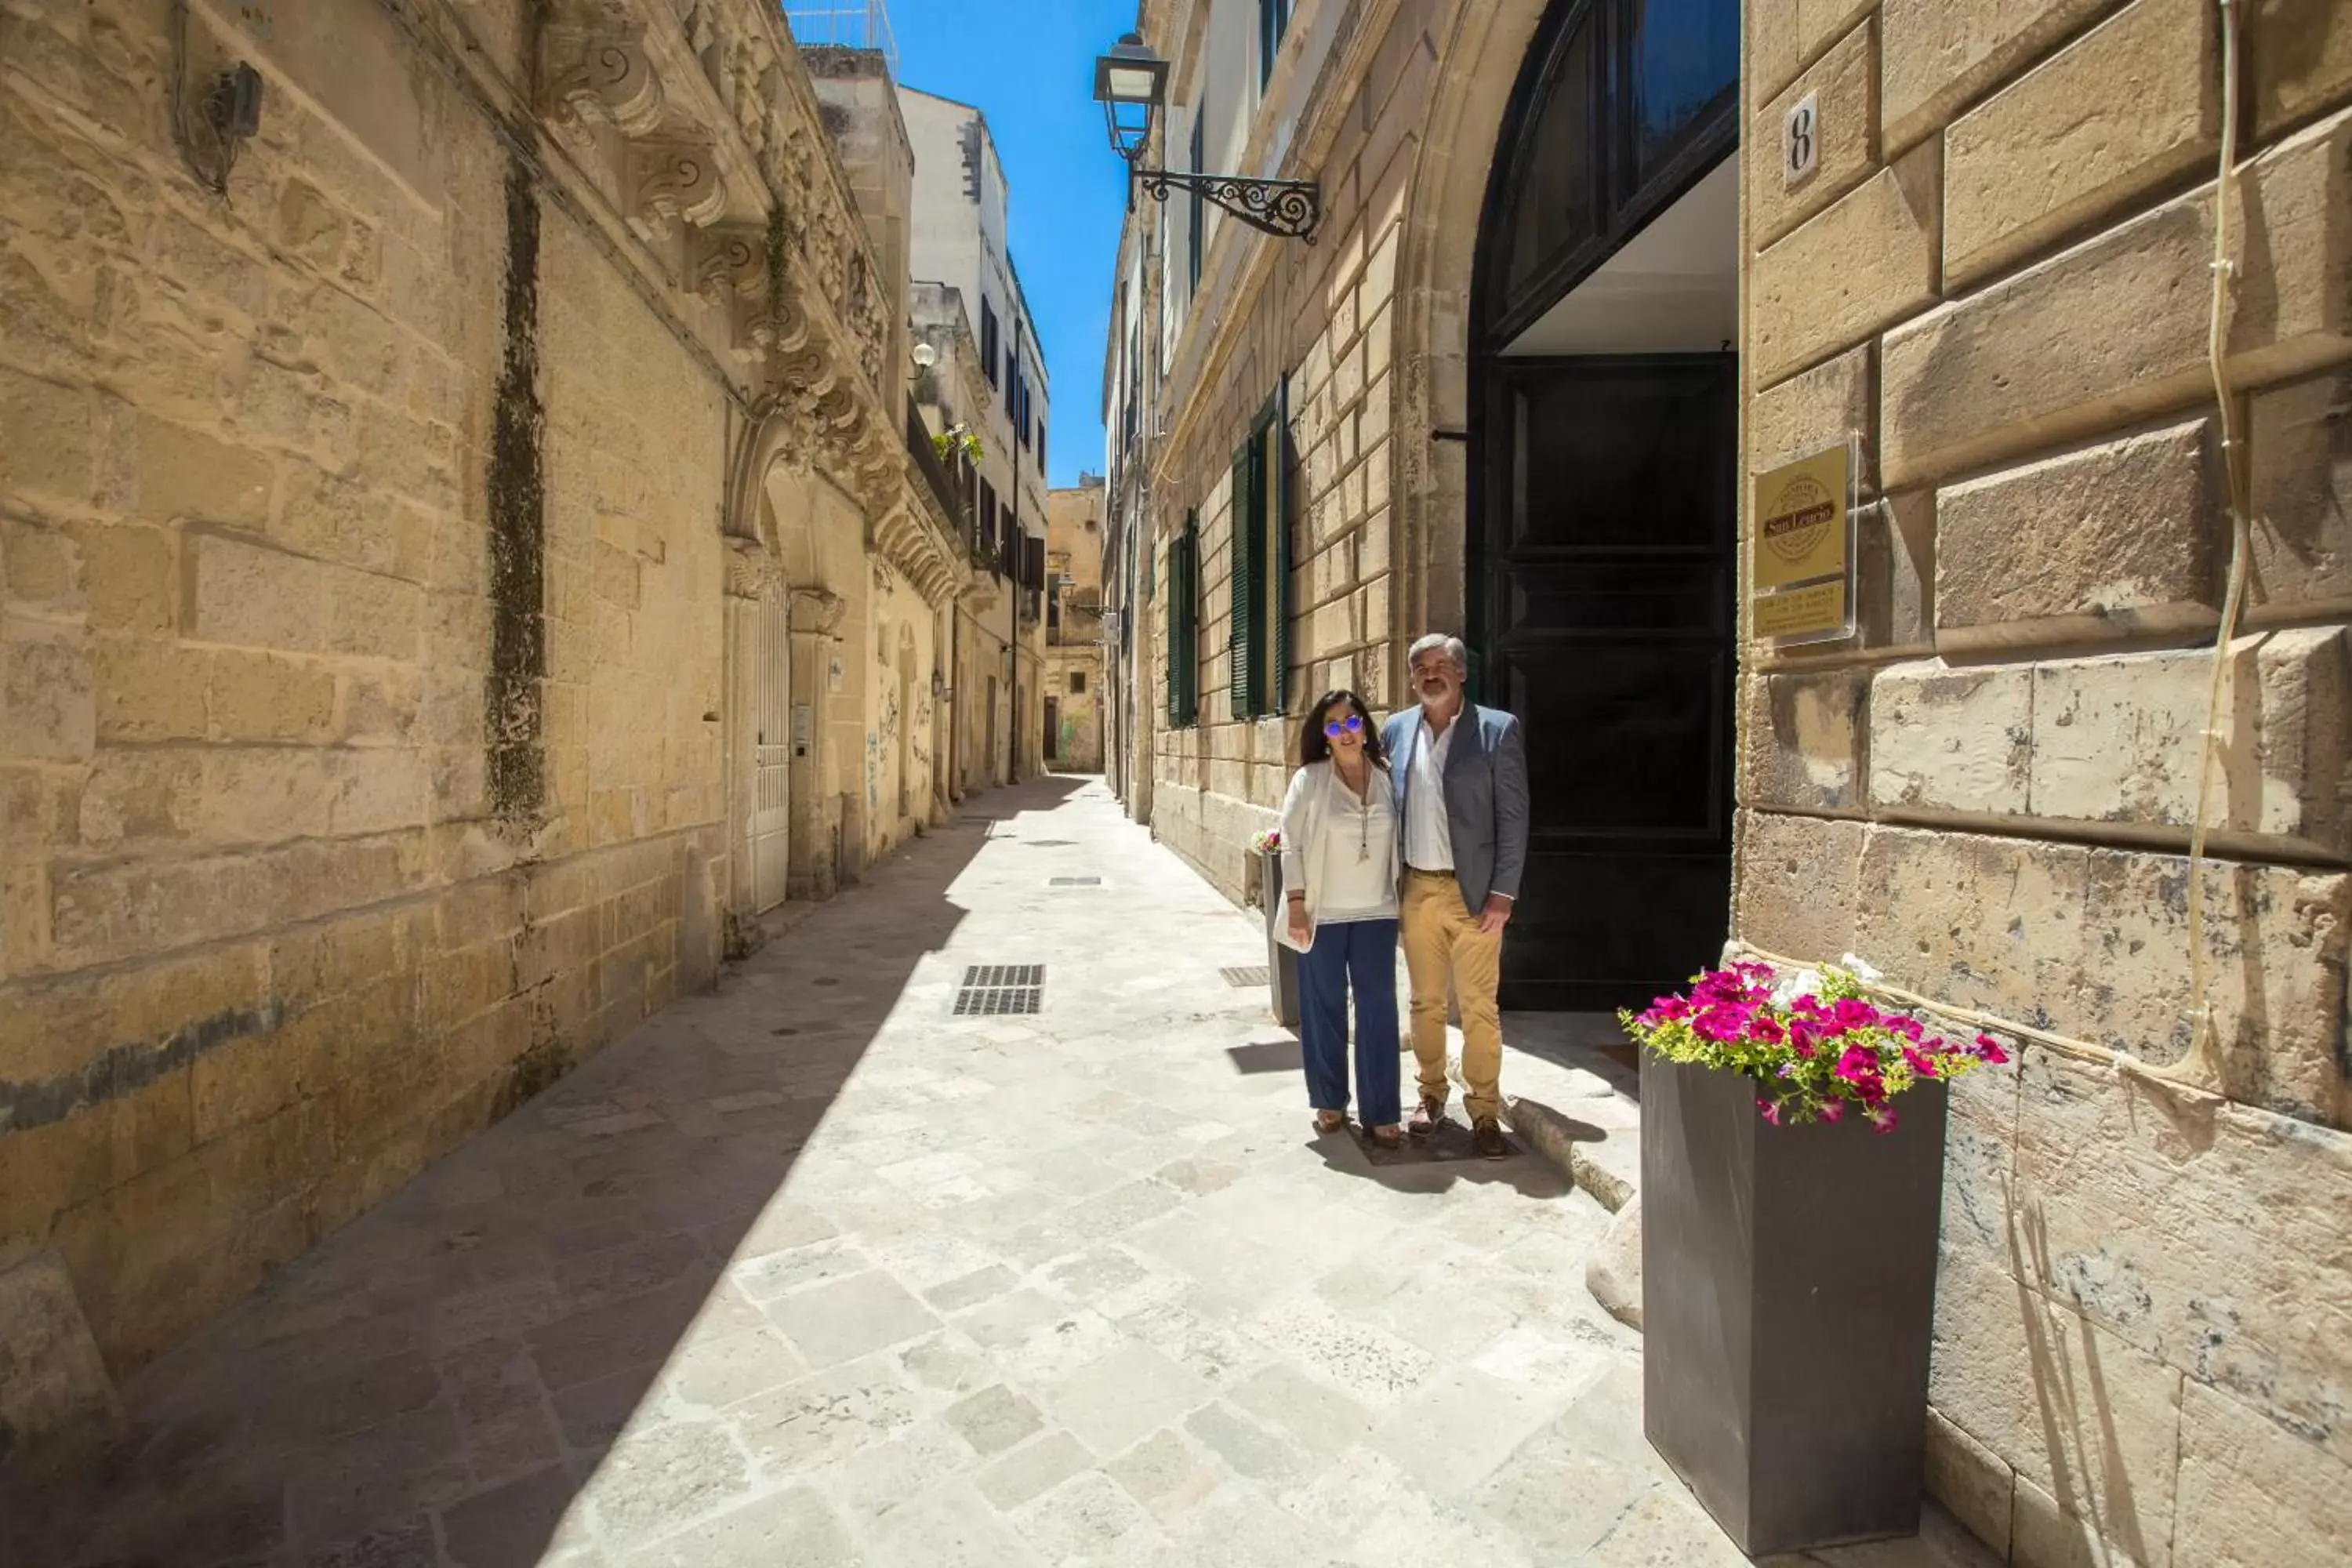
1361	954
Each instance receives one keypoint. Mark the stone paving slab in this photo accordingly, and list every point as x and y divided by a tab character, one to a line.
808	1270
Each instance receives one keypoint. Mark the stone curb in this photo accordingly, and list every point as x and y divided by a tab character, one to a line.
1551	1135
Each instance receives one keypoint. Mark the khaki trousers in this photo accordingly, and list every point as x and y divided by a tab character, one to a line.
1441	942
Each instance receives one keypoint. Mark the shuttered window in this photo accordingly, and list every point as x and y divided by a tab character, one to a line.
1184	626
1259	637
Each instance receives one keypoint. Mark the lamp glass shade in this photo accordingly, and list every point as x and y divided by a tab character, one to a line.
1132	74
1133	84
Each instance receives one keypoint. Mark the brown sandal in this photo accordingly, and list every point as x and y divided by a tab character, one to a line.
1330	1121
1386	1137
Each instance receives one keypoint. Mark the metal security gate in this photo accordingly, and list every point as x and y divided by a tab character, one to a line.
771	707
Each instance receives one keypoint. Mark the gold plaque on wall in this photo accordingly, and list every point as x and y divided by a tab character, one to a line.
1802	555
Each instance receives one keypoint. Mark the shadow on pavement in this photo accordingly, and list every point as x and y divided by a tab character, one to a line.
1436	1165
1266	1055
460	1359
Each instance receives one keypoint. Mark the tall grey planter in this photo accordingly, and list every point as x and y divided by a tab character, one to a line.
1281	963
1789	1299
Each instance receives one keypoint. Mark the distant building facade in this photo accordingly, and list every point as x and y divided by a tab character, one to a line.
1074	628
961	242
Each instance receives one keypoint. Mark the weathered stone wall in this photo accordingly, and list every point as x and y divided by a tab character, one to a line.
899	748
361	616
1076	743
1997	278
1322	316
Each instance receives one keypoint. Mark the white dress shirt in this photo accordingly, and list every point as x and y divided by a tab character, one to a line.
1428	842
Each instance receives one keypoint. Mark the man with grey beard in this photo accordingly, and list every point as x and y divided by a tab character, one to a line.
1461	778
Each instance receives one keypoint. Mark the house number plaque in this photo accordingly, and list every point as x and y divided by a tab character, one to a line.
1800	140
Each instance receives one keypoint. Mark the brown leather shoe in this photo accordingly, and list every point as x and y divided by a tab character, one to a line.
1426	1116
1487	1133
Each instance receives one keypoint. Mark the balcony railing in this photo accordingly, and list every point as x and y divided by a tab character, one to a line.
845	25
935	473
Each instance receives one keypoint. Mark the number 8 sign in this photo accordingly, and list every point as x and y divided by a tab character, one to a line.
1800	140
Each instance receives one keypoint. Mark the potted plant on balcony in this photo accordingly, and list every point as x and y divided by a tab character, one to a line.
1793	1150
1281	961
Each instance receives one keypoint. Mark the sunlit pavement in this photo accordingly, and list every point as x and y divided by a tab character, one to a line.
812	1270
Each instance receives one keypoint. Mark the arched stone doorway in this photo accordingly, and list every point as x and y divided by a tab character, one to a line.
1569	315
783	614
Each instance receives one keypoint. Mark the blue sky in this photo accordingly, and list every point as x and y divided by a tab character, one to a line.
1028	65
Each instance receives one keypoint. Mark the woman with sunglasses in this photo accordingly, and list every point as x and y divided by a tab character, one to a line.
1339	876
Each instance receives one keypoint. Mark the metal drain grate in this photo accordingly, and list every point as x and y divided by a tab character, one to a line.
995	990
1243	975
1074	881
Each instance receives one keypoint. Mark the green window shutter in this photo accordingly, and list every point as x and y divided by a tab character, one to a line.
1191	619
1175	631
1278	490
1241	636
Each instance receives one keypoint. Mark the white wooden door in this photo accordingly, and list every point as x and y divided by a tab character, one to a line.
771	708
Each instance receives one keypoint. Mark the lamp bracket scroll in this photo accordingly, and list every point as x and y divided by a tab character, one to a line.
1131	84
1288	209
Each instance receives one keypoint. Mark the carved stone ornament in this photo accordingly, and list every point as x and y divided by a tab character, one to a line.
669	181
599	74
788	320
807	377
817	610
727	261
752	569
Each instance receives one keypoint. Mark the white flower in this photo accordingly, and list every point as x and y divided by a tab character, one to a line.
1795	984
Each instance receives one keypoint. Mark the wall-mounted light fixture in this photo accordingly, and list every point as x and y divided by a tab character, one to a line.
1131	84
213	129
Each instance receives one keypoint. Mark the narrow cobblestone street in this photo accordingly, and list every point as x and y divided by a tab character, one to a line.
807	1271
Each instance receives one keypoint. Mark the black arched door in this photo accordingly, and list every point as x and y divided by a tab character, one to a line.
1603	547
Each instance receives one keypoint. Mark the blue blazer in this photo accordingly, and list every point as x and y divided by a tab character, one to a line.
1486	796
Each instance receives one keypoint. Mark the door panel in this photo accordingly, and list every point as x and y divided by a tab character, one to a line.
772	758
1608	570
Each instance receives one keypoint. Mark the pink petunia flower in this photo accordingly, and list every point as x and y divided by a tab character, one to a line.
1833	1110
1882	1117
1771	1111
1989	1050
1851	1014
1920	1062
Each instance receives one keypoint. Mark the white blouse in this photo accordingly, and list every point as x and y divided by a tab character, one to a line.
1352	870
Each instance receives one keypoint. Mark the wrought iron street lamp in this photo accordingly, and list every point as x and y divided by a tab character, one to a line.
1131	84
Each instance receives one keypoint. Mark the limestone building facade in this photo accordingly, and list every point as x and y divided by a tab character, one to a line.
1074	627
467	551
962	242
1590	269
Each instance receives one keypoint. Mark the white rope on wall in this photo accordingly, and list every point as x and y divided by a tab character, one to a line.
2201	1066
